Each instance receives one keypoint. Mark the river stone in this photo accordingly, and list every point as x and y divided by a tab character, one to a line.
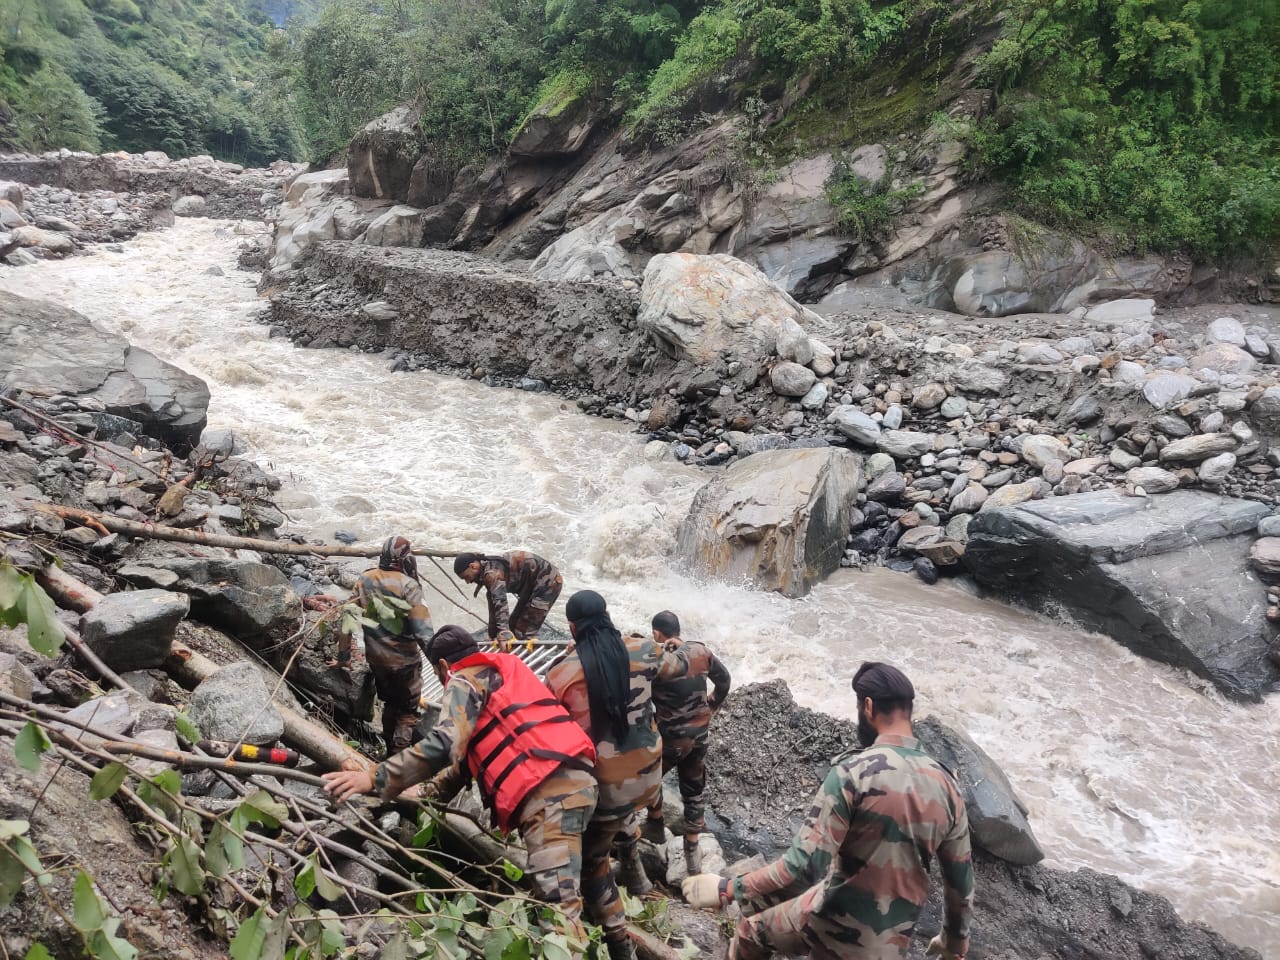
133	630
49	240
1197	448
816	397
779	518
1126	371
970	499
892	418
1214	471
1038	353
1084	466
1223	358
1167	577
997	818
957	528
954	407
929	396
824	358
113	715
1014	493
1039	449
791	380
1264	556
401	226
1163	389
792	342
1226	330
887	488
1152	479
903	444
877	464
234	704
191	205
1269	526
696	307
922	536
1123	460
1171	426
855	425
246	598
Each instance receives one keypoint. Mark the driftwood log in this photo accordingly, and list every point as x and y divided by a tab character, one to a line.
153	531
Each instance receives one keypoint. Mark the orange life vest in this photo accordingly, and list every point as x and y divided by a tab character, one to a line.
522	736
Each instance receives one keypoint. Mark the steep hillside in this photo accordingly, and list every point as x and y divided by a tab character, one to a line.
184	76
1138	124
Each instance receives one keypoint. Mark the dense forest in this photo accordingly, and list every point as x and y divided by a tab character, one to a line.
183	76
1147	124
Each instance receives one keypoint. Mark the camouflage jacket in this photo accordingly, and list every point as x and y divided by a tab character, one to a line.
682	705
520	574
442	753
864	853
392	583
629	772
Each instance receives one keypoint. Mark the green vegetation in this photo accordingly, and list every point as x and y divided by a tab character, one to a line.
866	211
1154	123
184	76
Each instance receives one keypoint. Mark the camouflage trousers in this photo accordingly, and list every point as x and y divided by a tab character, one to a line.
533	606
688	756
790	928
598	885
553	821
778	929
396	666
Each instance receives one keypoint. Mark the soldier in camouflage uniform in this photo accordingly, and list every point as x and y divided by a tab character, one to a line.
852	884
684	714
551	817
535	582
394	658
607	685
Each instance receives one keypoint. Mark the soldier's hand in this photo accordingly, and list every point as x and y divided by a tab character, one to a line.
344	784
506	642
705	890
938	948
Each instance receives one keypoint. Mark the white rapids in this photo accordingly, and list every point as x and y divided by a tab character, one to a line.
1128	767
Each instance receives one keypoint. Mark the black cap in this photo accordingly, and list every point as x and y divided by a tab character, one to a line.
880	681
451	643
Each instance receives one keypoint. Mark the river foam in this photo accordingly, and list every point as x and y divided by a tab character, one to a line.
1127	767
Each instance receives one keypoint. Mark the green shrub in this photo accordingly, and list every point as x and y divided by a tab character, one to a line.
53	112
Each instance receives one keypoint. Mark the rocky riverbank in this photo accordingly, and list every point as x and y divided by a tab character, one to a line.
54	204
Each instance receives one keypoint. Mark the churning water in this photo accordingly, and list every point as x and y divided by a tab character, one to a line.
1127	767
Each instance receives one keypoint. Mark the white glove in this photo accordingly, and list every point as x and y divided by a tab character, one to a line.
703	890
938	948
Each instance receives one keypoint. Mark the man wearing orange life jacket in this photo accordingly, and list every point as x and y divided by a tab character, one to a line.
534	765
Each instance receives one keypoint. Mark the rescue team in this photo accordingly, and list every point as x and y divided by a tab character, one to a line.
575	764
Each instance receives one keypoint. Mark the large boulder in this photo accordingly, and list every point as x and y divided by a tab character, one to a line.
134	630
997	818
696	307
997	283
246	598
381	156
317	207
559	126
779	518
48	348
401	226
1167	576
234	704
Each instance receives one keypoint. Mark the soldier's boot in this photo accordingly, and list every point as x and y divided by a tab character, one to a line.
621	949
654	830
632	876
692	855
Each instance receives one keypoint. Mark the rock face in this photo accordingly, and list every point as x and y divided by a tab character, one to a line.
46	347
997	818
316	207
778	518
1166	576
235	703
694	307
134	630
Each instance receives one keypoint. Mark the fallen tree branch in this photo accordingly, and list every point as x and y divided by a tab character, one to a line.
70	436
151	531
